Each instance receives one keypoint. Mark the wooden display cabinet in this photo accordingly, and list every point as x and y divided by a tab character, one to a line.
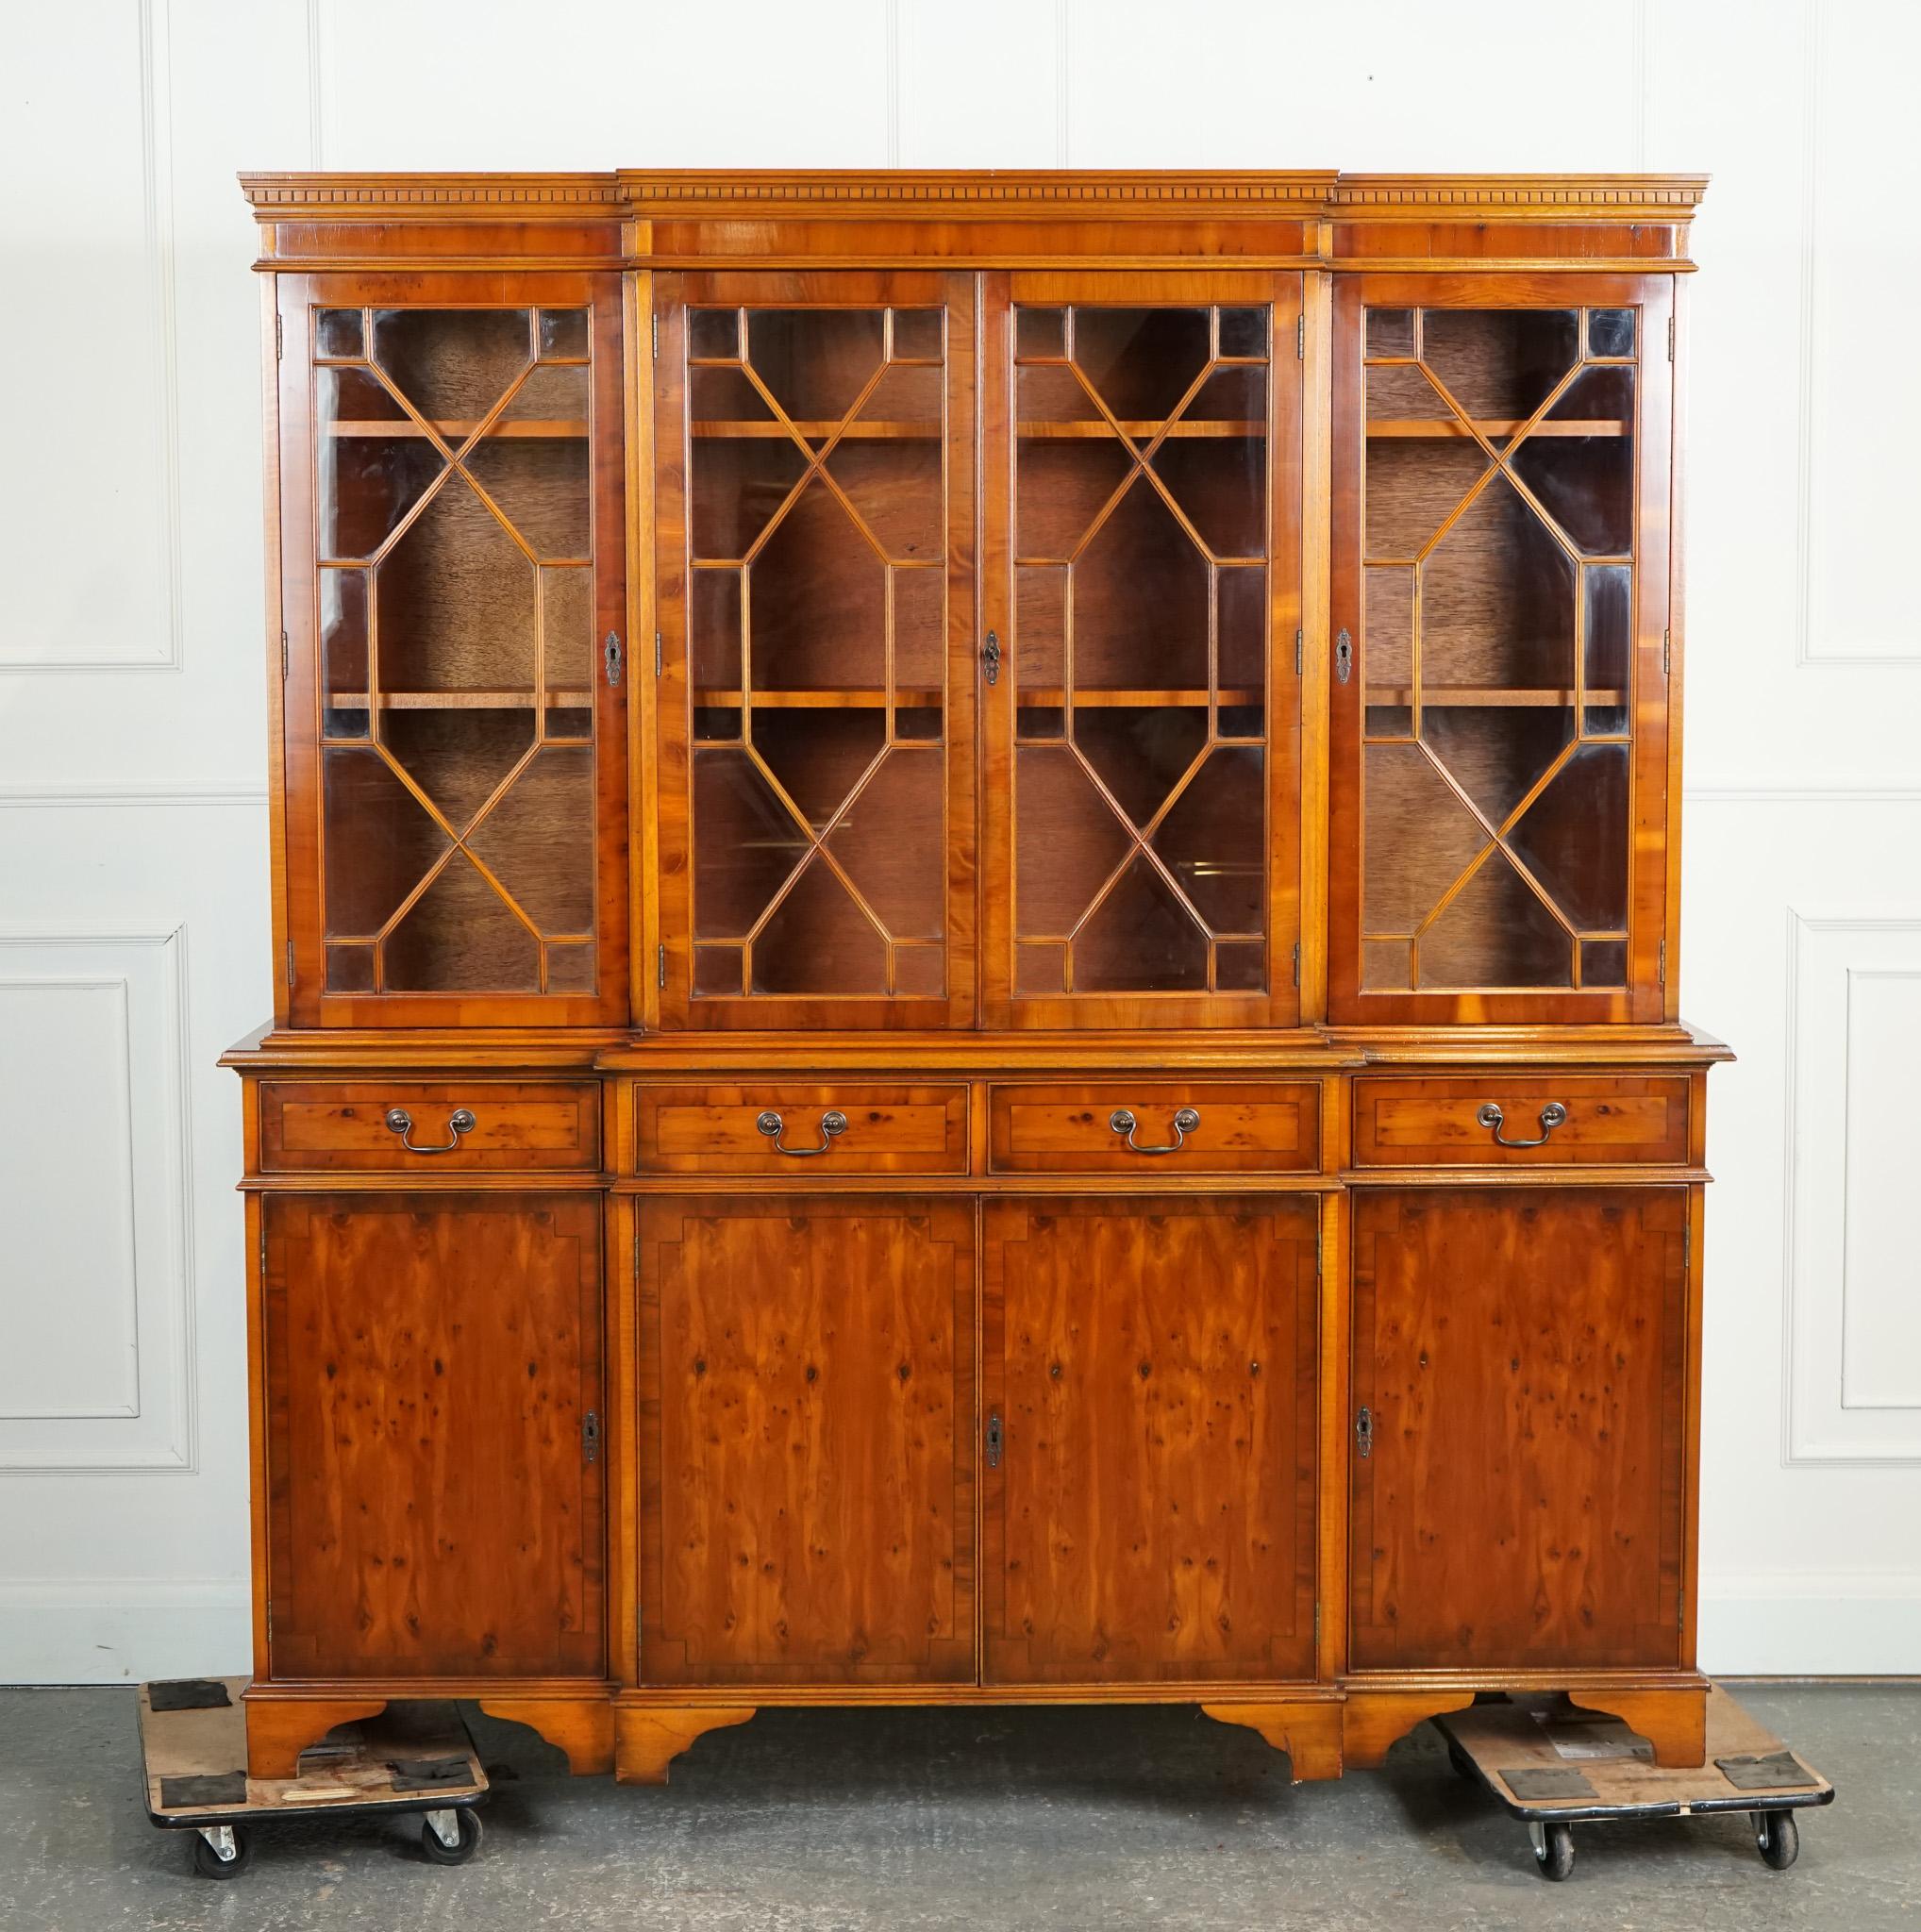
975	973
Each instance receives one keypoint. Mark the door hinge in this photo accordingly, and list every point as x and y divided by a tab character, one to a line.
1660	961
1297	962
657	337
661	967
270	1623
1301	336
1670	338
1688	1246
1680	1607
589	1437
993	1439
289	965
609	653
1667	653
1298	653
1363	1434
283	656
279	337
659	657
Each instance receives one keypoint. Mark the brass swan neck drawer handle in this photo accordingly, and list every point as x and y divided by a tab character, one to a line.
400	1121
1491	1117
832	1122
1123	1122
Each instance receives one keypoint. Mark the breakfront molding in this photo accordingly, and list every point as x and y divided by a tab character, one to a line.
975	952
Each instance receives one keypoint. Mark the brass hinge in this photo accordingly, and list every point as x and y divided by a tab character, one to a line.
658	659
1297	962
1667	653
280	338
1680	1606
289	965
656	339
661	967
1296	654
283	656
1688	1245
1301	336
1670	338
1660	961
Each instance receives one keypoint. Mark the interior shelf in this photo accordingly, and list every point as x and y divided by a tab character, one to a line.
1081	429
869	697
879	431
1132	699
1488	696
456	700
518	428
1493	428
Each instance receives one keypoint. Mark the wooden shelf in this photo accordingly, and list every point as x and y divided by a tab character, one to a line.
1090	700
856	431
520	428
852	698
1488	696
456	701
1398	428
1099	427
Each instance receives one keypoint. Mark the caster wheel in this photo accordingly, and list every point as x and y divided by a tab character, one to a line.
210	1864
1553	1849
1777	1838
439	1853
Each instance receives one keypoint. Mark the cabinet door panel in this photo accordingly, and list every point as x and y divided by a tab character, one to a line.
1151	1365
453	573
816	606
1523	1358
806	1440
1142	543
430	1362
1500	580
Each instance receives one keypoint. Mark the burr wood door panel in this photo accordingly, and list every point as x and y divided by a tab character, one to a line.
1149	1382
1520	1356
806	1440
434	1481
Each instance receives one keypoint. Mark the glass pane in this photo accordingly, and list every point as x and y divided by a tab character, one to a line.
1140	650
1496	646
458	836
818	521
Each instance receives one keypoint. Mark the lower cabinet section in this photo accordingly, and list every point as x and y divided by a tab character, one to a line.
433	1481
807	1443
1150	1383
1520	1377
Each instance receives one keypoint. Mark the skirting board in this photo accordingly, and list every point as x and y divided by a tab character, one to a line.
123	1630
1860	1624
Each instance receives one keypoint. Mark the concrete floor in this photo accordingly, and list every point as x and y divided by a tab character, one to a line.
1046	1818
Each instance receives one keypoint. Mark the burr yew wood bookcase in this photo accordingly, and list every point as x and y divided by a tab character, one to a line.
974	887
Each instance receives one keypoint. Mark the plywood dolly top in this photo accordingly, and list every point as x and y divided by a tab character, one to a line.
1555	1765
193	1751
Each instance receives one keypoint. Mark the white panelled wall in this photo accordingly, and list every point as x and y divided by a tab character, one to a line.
133	860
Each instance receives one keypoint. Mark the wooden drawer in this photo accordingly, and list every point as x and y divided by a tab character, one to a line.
801	1132
356	1126
1268	1128
1603	1119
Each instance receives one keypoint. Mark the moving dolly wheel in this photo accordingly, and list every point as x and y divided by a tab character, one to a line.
1553	1849
223	1851
1777	1838
450	1837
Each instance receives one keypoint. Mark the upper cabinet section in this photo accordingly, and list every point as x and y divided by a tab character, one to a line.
1500	593
453	577
815	550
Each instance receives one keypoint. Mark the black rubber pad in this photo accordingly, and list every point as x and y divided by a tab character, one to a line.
213	1788
188	1693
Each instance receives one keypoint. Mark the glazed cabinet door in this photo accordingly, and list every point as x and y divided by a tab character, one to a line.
431	1366
1500	784
816	549
453	590
1520	1376
806	1440
1141	539
1149	1383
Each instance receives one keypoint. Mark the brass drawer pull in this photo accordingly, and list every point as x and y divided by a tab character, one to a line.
1551	1117
1123	1122
400	1121
833	1122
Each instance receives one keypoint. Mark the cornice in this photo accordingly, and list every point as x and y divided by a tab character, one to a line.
652	194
